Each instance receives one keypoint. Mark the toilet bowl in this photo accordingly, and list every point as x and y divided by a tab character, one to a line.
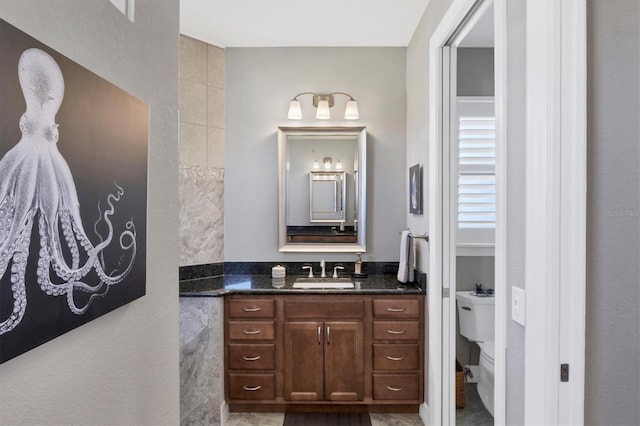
476	314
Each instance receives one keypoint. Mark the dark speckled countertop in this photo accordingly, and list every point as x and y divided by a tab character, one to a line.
264	284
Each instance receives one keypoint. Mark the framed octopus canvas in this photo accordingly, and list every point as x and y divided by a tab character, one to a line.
73	194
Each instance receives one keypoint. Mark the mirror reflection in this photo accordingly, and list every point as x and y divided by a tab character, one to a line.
327	196
321	189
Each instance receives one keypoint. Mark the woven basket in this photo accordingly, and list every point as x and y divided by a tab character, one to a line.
459	385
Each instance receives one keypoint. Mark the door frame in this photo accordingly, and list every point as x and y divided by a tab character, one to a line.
442	286
555	151
555	239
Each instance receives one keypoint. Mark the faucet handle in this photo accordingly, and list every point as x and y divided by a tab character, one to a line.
310	268
335	270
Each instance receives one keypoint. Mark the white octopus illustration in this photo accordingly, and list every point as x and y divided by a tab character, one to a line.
36	186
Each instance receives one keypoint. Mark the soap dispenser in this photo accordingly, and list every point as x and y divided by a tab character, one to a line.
357	268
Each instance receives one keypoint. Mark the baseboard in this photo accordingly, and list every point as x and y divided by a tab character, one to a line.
224	413
424	413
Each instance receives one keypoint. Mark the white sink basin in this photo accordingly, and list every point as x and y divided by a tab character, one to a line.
323	283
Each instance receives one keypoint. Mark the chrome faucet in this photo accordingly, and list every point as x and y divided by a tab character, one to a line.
323	274
310	268
335	270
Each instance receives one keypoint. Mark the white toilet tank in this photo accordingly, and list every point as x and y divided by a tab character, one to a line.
476	315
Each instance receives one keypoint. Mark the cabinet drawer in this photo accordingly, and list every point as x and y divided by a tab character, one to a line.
251	356
396	357
251	330
396	386
334	309
396	308
252	386
396	330
251	308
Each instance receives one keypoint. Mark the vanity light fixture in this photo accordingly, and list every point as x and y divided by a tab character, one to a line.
323	103
338	165
316	165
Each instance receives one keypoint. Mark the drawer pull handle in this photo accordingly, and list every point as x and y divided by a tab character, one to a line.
395	389
251	358
252	332
396	309
396	332
256	309
319	334
251	389
393	358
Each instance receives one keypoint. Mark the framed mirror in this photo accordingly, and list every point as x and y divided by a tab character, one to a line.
322	189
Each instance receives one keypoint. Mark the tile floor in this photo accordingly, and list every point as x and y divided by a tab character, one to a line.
473	413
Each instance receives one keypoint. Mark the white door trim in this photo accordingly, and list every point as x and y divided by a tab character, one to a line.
440	376
501	249
555	227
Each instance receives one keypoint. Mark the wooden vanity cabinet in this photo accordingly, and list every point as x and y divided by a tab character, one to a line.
318	350
324	360
398	342
250	330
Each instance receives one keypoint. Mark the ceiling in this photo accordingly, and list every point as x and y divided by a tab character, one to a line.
279	23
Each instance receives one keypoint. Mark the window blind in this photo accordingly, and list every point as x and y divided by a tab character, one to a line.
476	165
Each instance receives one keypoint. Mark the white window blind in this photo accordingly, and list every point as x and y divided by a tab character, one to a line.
476	171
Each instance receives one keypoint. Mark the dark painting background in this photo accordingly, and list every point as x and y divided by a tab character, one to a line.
103	136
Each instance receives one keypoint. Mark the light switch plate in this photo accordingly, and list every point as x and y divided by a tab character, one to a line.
518	300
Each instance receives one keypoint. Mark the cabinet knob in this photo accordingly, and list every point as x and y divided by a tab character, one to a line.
251	358
393	358
251	389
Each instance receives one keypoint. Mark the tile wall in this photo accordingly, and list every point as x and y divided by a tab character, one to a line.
202	139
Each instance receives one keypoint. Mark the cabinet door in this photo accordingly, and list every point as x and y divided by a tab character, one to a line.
344	361
303	360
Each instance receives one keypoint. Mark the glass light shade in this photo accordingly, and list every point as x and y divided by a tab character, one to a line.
323	111
316	165
295	111
351	111
327	163
339	165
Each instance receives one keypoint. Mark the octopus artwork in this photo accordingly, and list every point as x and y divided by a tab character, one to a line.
37	189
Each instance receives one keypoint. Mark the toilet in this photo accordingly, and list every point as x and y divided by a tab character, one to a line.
477	324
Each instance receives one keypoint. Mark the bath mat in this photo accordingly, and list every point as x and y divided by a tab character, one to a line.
327	419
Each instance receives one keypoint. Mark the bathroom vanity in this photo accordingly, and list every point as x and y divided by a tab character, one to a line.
309	351
286	349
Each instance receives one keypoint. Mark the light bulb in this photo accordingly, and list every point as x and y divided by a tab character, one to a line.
323	111
351	111
295	111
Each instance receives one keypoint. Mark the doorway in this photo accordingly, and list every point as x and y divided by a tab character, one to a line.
467	168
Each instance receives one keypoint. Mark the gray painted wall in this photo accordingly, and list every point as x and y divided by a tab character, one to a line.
612	385
516	209
121	368
475	71
260	84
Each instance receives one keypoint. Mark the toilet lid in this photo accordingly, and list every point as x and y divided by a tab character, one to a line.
489	349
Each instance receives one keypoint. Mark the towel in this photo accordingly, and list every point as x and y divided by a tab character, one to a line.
406	263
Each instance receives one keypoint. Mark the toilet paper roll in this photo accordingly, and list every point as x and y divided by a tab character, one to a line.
278	271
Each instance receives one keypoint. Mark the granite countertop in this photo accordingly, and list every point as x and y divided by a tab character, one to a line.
263	284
